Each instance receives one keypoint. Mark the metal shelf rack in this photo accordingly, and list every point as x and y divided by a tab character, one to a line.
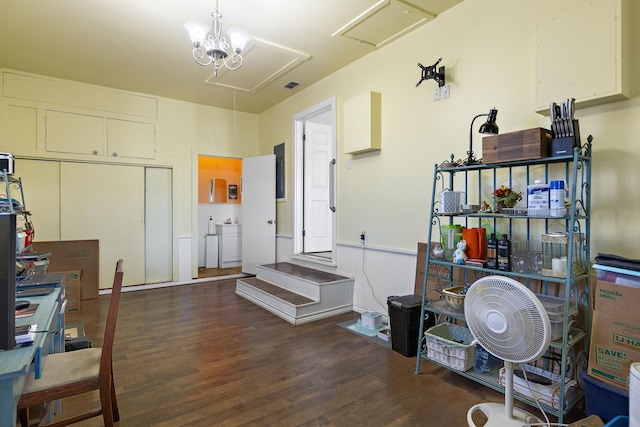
476	180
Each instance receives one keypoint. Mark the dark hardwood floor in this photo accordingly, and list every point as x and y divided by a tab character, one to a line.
203	272
198	355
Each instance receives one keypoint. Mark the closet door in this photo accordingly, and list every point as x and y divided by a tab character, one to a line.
106	202
41	185
158	220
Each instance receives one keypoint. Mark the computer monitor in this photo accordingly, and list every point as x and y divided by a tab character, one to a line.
7	281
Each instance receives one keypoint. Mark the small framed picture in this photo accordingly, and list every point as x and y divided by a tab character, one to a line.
233	192
278	150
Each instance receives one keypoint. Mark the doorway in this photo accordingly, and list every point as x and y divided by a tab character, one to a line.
219	202
314	192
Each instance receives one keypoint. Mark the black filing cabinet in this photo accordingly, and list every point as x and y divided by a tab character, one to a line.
404	319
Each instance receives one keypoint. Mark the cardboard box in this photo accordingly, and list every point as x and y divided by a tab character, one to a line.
72	287
615	345
420	268
616	299
513	146
615	332
71	255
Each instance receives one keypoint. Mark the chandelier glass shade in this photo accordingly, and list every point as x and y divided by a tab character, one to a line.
211	48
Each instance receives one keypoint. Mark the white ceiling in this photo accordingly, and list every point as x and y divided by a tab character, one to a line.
141	45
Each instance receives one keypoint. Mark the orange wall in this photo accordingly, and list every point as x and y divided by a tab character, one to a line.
218	167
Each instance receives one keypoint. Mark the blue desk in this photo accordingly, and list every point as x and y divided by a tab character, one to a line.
17	363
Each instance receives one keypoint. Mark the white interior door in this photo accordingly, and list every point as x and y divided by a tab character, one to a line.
158	225
106	202
317	212
258	212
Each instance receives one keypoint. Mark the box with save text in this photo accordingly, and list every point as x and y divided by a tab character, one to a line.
615	330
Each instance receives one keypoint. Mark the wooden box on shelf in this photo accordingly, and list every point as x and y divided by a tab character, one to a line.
513	146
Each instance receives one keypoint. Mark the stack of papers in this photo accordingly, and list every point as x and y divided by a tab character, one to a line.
28	337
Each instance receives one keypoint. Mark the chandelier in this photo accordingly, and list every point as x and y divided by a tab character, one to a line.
210	48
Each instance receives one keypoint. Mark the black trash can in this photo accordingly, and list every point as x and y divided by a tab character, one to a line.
404	319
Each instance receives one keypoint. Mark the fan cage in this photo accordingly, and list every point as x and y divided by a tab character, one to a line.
507	319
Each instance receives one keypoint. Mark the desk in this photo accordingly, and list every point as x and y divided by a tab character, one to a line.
17	363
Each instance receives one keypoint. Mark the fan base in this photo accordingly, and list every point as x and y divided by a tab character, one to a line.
496	416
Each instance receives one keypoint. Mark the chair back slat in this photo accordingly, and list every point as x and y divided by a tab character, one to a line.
110	325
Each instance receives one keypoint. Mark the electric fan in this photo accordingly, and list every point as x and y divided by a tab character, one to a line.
510	322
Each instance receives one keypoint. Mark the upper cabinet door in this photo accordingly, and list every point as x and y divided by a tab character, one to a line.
86	134
74	133
584	53
127	138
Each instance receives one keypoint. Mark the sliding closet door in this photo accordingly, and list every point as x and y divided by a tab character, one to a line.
41	185
106	202
158	220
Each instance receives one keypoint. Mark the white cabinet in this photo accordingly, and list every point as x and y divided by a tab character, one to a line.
229	245
362	123
98	136
74	133
584	53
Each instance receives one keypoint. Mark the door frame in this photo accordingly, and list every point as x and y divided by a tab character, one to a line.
322	108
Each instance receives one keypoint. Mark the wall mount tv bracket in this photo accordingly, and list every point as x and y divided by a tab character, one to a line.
429	72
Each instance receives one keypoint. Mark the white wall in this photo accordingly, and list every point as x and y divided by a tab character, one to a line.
183	131
488	49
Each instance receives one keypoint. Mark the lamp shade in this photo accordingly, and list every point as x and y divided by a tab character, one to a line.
238	38
490	126
197	31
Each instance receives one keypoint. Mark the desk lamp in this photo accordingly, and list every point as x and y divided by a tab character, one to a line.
489	127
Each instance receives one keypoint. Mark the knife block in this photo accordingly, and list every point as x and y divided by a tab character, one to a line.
564	146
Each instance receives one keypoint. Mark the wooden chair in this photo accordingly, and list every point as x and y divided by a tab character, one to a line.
77	372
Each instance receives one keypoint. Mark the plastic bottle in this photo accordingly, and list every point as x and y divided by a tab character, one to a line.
492	252
556	199
538	197
504	254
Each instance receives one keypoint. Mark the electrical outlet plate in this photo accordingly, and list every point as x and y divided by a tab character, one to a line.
436	94
445	92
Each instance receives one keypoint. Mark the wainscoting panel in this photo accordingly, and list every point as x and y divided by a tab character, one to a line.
378	272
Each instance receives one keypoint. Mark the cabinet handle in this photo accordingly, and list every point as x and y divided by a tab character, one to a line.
95	152
211	190
115	154
270	221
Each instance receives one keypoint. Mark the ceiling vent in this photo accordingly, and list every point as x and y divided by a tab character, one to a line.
291	85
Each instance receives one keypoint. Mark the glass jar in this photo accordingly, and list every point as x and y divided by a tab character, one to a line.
555	254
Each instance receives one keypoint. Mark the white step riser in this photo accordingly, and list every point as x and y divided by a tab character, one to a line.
296	284
266	298
332	299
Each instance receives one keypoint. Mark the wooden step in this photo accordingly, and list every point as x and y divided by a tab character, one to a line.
305	273
278	292
296	293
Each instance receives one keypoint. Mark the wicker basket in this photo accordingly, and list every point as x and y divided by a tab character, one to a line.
451	345
454	297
